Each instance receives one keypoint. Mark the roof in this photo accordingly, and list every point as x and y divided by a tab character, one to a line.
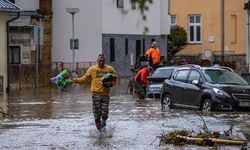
6	5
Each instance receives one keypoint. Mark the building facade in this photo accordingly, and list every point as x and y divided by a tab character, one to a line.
216	28
112	27
22	43
5	8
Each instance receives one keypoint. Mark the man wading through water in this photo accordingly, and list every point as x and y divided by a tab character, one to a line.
100	90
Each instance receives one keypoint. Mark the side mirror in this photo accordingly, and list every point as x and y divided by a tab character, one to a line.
195	82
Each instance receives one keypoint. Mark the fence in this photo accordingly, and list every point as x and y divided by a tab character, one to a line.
24	75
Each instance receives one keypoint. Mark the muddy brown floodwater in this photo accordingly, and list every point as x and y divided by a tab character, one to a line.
47	119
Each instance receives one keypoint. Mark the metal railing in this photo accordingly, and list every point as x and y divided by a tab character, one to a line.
24	75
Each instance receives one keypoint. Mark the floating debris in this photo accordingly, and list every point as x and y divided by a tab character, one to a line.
183	137
205	137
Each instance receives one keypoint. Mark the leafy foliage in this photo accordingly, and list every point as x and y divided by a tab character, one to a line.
176	41
143	6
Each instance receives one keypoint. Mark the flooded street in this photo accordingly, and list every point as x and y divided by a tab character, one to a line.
48	119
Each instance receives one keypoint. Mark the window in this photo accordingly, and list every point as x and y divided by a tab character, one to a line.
126	46
138	48
194	29
172	20
163	72
143	46
119	3
14	55
112	49
194	75
133	5
181	75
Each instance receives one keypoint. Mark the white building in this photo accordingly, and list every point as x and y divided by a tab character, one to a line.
102	27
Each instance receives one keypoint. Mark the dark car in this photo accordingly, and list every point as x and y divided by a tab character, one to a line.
205	88
155	80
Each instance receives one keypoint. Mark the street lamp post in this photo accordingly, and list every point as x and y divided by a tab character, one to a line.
73	11
247	7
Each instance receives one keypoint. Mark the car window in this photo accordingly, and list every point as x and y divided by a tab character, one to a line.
163	72
181	75
223	77
194	75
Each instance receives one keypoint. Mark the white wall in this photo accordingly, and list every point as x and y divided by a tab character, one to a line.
3	47
114	21
165	18
88	28
28	5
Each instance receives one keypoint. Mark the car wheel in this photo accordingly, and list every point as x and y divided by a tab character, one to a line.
166	102
206	105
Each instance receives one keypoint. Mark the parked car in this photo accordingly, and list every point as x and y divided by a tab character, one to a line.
205	88
155	81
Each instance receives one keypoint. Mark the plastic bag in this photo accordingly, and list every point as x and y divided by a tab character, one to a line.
61	80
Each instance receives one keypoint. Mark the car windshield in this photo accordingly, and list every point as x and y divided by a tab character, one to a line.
163	72
220	76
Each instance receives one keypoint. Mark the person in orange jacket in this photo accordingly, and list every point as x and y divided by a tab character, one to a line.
141	81
153	55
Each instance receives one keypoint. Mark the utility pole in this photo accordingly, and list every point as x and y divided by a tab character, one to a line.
222	30
38	40
73	42
247	8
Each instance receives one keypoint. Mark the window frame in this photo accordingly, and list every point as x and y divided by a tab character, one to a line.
190	82
175	20
11	55
195	25
120	3
181	70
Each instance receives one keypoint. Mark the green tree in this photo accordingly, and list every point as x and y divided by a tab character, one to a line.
176	41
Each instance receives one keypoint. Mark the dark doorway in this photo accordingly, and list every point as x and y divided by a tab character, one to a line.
14	55
138	48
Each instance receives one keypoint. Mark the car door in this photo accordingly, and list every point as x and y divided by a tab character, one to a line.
192	93
178	86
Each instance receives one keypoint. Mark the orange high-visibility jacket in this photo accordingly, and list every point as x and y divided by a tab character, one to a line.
141	76
155	54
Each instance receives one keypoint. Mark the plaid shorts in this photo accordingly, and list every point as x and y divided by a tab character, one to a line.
100	106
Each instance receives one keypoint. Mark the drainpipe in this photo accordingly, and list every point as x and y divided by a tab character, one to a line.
222	30
247	8
8	66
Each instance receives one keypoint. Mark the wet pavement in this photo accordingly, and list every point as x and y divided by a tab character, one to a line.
48	119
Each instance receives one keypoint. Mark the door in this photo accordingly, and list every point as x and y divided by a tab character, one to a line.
179	86
193	93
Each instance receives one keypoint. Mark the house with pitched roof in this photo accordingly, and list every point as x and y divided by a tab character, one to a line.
5	8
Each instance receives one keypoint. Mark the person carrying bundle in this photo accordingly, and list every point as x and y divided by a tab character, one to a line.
102	78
